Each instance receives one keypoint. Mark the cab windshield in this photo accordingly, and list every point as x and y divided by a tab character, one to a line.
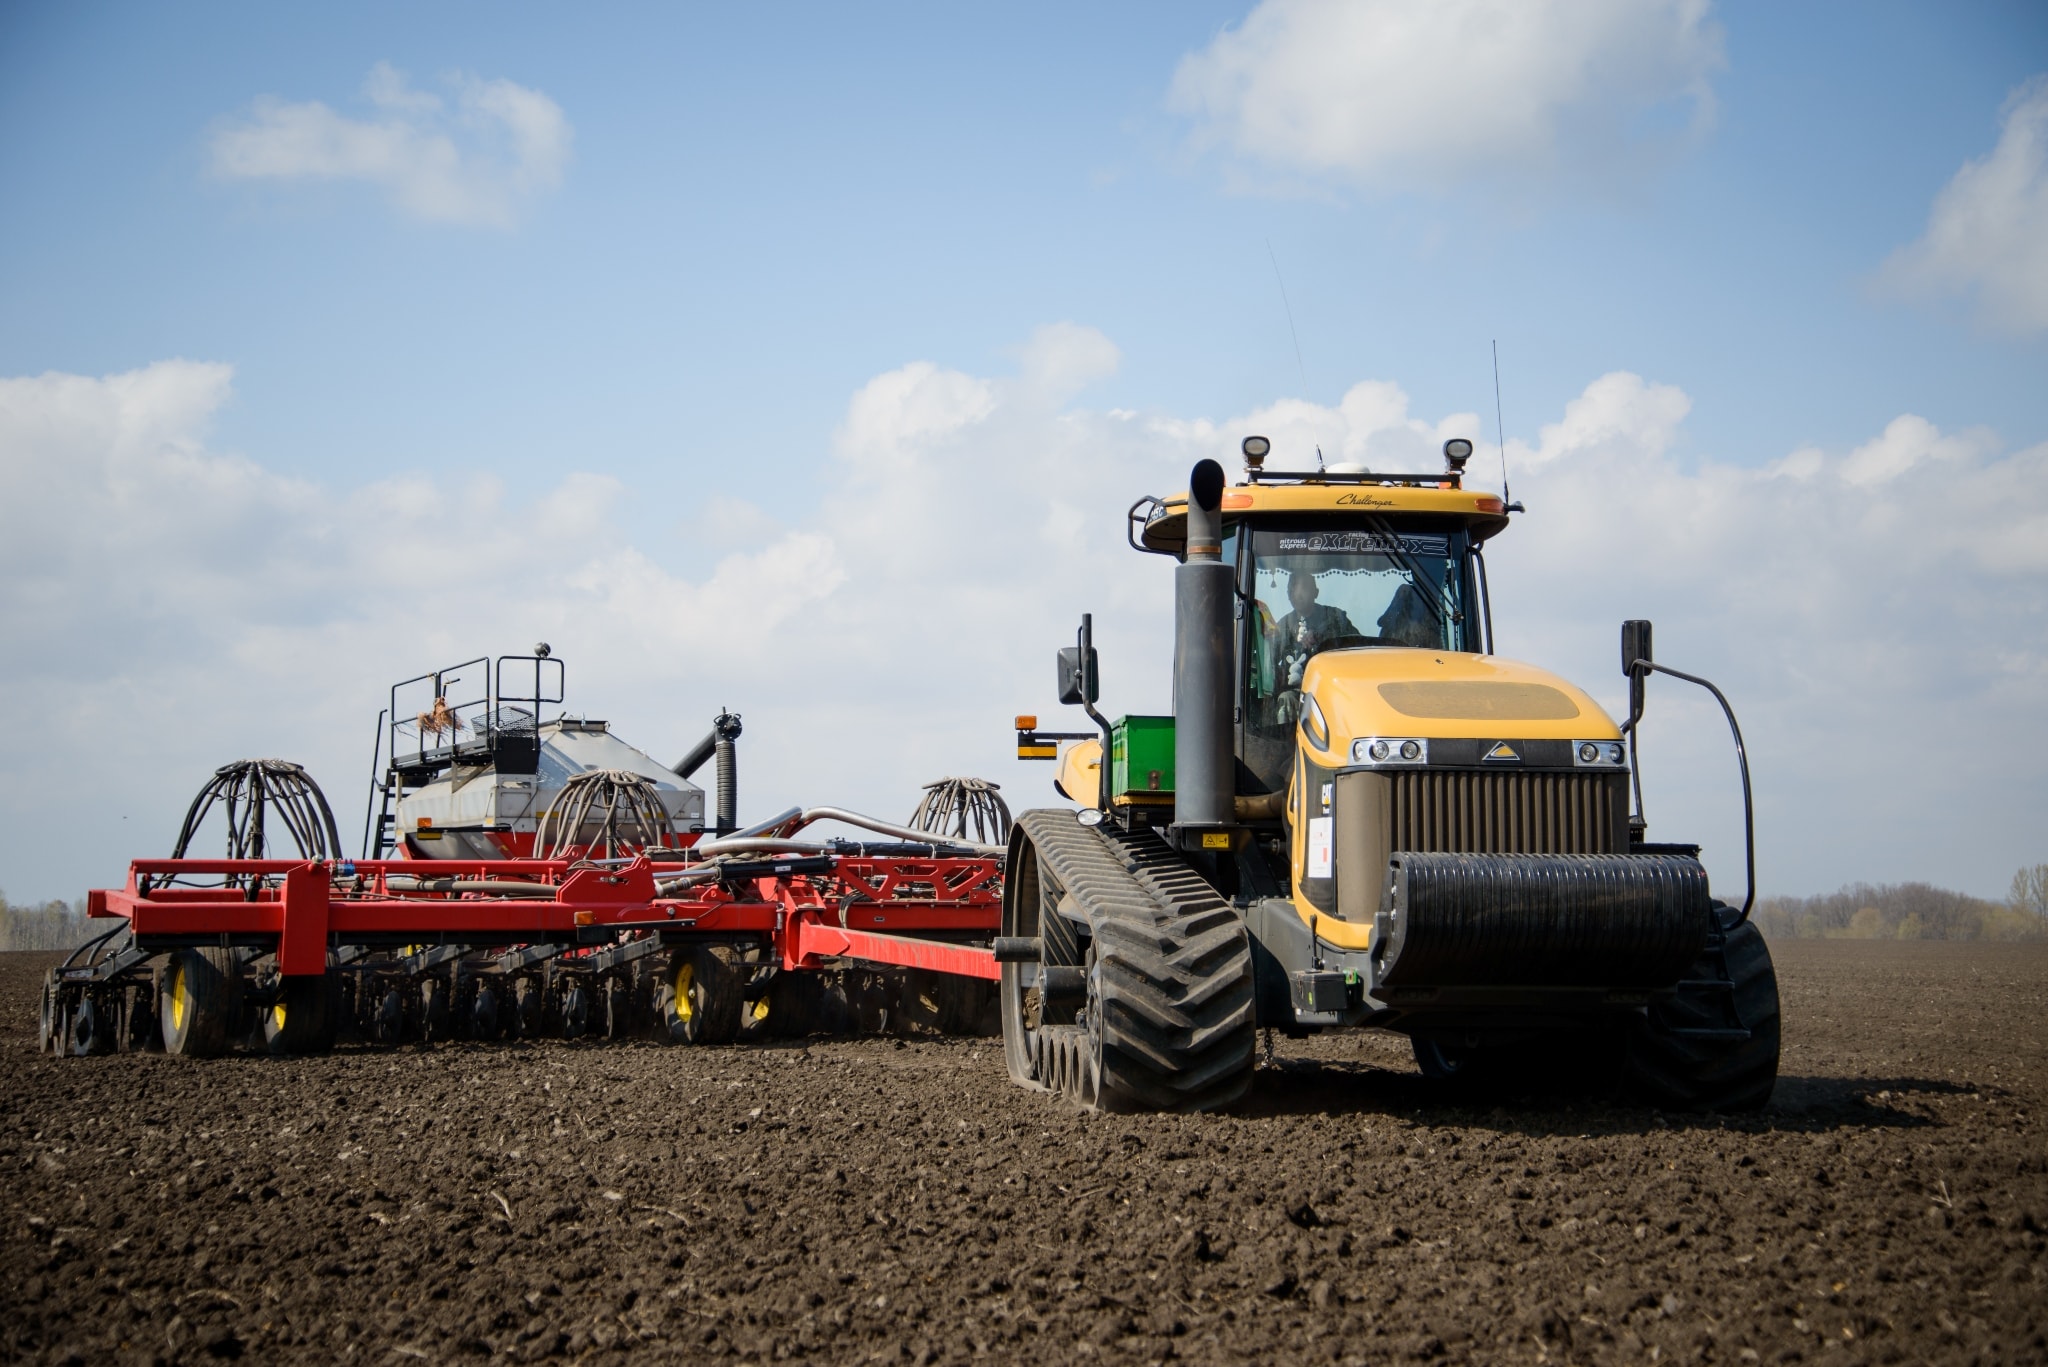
1317	589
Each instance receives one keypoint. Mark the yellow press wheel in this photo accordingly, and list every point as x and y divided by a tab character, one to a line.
703	996
304	1018
198	1000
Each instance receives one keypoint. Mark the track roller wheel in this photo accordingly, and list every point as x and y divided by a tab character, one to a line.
1714	1045
305	1017
1158	1016
576	1012
704	994
199	1001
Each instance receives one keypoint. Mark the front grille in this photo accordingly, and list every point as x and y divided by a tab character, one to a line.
1462	812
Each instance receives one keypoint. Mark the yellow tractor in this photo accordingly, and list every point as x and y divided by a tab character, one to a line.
1359	816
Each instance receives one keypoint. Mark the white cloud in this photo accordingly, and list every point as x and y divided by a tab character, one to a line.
1987	234
1425	94
477	156
1877	615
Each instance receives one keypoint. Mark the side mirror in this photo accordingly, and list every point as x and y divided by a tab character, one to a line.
1635	644
1078	681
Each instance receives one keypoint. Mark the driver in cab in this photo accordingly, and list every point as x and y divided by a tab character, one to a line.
1311	627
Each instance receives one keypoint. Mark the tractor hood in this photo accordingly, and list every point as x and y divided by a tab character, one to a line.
1442	693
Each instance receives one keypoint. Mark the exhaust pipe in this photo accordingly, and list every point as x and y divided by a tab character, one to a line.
1204	760
725	729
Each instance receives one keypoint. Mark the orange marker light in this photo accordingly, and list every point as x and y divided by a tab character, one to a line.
1027	723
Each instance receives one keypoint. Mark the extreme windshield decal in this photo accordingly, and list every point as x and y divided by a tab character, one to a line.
1366	543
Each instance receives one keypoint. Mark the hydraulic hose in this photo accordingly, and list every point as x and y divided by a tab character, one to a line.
780	828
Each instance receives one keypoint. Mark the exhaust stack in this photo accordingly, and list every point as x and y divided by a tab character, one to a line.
1204	760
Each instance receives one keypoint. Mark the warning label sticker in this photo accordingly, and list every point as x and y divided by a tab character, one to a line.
1321	833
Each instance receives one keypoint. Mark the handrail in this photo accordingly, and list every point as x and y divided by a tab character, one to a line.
1741	757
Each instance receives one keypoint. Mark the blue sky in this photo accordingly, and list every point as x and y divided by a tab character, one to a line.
749	214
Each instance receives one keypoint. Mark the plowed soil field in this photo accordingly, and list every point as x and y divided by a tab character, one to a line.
874	1200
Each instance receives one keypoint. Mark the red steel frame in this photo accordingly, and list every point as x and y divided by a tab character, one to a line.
874	909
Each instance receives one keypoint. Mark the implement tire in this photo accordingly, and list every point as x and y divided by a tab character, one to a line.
199	1001
305	1017
1730	996
704	996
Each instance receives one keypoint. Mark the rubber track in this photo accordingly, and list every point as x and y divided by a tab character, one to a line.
1174	976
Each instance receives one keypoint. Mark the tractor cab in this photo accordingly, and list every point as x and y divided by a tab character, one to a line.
1344	559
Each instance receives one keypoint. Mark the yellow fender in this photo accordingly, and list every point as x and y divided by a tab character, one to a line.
1080	775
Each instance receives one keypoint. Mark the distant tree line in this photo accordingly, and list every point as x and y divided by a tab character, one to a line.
52	925
1911	911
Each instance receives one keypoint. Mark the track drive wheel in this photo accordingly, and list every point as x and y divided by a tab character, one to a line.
704	996
1713	1046
1159	1016
199	1001
305	1017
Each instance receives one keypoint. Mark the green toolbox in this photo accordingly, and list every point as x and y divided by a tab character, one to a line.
1141	759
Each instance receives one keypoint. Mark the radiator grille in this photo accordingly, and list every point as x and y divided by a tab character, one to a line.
1462	812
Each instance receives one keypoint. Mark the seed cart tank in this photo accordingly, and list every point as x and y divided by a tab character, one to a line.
470	770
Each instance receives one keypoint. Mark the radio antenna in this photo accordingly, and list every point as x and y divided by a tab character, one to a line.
1500	427
1296	337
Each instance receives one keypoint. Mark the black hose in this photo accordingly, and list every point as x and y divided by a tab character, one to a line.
951	803
250	793
615	808
725	731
